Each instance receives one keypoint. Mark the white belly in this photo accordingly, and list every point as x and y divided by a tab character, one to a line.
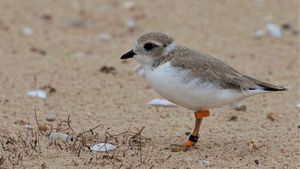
169	83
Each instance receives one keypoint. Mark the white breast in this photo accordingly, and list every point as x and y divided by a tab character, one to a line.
171	83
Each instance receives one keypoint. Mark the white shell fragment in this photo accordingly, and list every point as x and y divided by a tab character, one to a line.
102	147
79	55
260	33
28	126
51	116
205	163
59	136
298	106
104	37
130	24
274	30
37	93
27	31
161	102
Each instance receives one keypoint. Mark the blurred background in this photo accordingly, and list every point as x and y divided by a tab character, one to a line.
71	50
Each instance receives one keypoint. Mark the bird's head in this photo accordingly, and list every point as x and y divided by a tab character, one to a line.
149	47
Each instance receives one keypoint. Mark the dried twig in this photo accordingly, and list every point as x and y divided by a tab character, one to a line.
36	120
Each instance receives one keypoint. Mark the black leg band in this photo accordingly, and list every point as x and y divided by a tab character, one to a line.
193	138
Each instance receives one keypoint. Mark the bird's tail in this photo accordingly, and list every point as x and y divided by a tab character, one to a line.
266	86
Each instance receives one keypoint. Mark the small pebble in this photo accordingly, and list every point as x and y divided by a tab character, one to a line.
233	118
272	116
59	136
51	116
129	5
256	162
298	106
252	146
79	55
27	31
188	159
47	17
76	23
286	26
130	24
260	33
205	163
104	37
295	32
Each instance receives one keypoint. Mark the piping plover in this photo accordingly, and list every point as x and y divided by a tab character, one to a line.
193	80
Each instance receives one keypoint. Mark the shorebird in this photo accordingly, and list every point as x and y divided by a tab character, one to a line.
194	80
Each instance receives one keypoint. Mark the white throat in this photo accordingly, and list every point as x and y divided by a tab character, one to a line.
169	48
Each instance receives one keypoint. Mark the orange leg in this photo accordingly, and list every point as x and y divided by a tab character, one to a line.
195	134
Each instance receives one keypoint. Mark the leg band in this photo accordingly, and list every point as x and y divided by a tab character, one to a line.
189	143
193	138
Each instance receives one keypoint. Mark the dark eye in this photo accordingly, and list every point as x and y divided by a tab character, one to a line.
149	46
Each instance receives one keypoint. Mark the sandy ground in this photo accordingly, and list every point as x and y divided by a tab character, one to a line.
63	51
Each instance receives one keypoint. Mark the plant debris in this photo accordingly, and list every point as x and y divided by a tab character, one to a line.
129	144
37	50
108	70
22	122
48	88
233	118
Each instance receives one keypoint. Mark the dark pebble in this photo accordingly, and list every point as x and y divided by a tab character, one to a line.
286	26
233	118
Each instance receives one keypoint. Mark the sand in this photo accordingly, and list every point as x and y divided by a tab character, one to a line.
63	51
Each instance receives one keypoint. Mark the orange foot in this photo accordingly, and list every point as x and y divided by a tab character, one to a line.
179	147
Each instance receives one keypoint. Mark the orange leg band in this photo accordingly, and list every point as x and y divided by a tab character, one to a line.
189	143
201	114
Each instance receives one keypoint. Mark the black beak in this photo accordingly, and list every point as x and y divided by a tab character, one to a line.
128	55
